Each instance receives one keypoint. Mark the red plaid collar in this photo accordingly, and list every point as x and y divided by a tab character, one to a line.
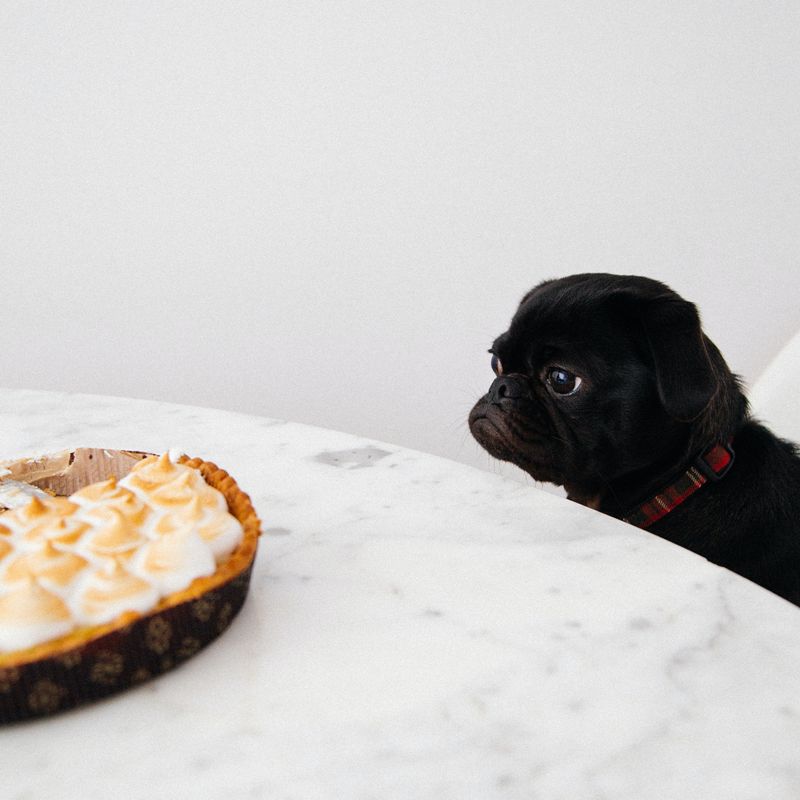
713	465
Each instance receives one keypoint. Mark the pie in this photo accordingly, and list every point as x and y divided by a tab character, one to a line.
115	566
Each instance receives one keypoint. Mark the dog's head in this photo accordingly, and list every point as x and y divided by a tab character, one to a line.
604	376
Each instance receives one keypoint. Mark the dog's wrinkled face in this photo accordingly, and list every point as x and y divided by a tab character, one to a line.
598	376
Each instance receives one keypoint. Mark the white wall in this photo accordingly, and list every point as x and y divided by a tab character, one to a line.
326	211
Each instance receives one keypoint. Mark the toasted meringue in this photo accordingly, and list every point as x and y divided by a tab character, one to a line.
173	519
17	493
37	511
6	548
48	565
152	472
110	494
218	529
111	532
110	592
64	532
110	548
174	560
222	533
32	513
30	614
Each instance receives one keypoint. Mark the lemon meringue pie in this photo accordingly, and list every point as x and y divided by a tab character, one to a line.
134	567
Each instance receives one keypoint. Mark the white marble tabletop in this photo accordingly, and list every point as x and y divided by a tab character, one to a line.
418	629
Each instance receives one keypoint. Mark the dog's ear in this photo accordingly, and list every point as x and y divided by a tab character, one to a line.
685	372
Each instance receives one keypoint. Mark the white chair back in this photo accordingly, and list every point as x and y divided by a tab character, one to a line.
775	396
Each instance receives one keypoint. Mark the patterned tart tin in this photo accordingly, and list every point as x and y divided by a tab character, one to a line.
94	662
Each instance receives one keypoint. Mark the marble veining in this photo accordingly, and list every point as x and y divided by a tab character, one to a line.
420	629
355	458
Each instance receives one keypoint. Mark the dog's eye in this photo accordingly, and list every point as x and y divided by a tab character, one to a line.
497	366
562	381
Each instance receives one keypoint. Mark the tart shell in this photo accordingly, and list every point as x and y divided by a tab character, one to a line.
93	662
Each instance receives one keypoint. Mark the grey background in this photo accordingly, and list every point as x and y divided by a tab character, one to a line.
326	211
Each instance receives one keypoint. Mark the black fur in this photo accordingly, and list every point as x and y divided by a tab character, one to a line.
655	394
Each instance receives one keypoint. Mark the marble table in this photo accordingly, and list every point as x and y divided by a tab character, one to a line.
419	629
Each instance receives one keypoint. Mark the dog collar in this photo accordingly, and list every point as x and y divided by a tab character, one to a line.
713	465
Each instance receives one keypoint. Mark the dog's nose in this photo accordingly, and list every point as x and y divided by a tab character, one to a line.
505	388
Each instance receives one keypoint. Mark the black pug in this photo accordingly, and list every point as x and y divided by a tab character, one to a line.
606	385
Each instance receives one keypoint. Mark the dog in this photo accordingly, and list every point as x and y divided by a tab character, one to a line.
606	385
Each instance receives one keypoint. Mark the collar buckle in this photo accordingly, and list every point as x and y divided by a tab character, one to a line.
717	462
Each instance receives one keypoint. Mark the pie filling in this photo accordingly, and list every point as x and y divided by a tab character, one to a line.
109	548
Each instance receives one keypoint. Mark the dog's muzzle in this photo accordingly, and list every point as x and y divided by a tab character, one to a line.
508	387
